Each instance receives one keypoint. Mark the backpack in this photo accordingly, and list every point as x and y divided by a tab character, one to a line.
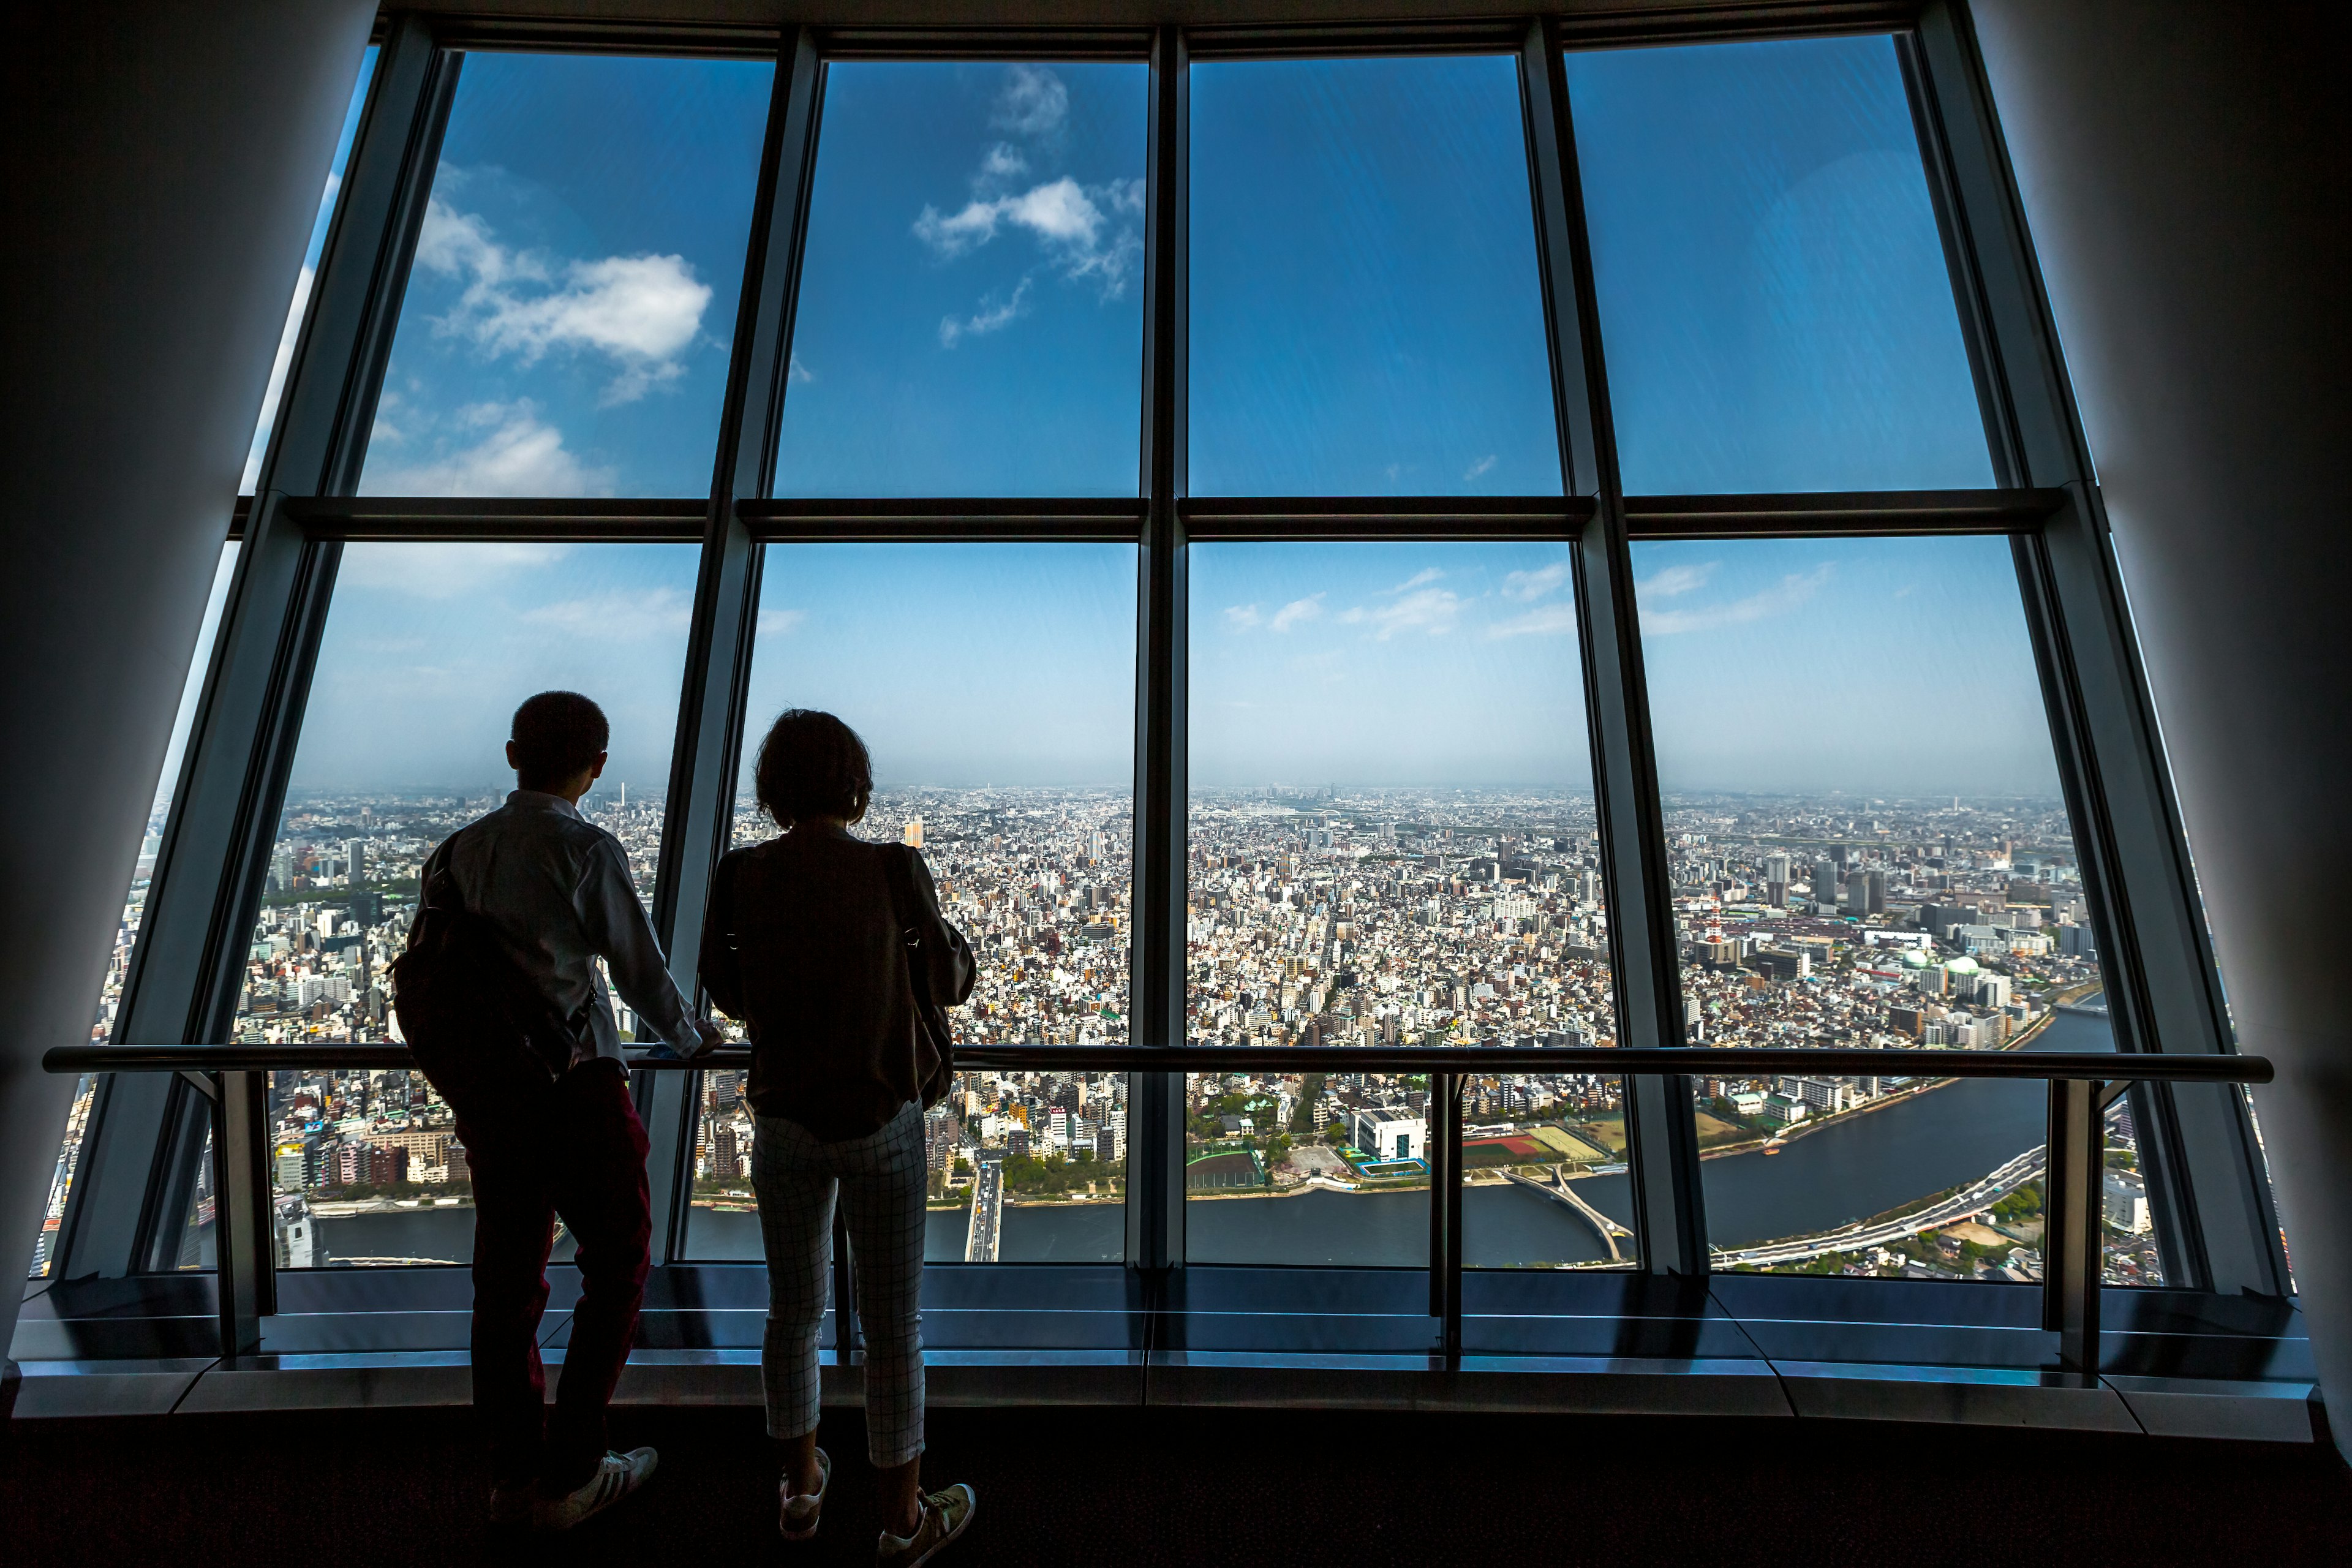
930	1015
488	1041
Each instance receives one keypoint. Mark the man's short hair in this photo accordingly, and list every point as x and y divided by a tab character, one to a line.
812	764
557	734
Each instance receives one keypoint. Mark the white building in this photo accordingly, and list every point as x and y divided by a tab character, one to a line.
2127	1203
1388	1132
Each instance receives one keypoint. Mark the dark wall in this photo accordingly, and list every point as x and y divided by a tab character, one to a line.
2187	171
165	164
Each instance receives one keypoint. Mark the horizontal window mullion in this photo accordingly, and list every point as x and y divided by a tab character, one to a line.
1878	514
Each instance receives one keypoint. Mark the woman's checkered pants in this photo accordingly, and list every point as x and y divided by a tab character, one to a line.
880	1178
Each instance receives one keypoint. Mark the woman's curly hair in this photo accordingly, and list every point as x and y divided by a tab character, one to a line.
812	764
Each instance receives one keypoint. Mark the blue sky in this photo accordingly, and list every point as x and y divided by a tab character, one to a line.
1774	305
1366	315
1882	666
970	319
1385	664
567	323
1364	318
301	299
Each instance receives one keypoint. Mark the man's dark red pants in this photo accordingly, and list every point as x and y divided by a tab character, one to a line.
584	1159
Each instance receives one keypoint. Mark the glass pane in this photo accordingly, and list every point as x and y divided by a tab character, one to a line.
1773	296
1544	1182
1374	859
971	318
126	935
428	649
569	316
1868	848
994	685
1365	309
293	328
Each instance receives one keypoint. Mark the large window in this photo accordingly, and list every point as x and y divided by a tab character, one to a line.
994	686
1869	846
1180	457
1773	293
568	316
971	318
1365	311
428	650
1373	859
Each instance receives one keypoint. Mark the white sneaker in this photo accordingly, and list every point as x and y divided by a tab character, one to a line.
617	1475
798	1513
944	1515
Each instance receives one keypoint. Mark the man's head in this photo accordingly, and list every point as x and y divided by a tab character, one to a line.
558	744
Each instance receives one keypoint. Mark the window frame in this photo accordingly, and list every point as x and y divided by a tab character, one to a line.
2210	1195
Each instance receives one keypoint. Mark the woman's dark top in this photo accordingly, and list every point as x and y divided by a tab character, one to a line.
802	946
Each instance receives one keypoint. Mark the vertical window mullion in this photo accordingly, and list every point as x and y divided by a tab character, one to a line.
1155	1217
184	980
1661	1140
699	812
2212	1200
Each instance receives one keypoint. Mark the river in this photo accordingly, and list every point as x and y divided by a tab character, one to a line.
1847	1171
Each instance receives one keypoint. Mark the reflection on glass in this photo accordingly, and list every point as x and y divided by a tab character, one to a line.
1868	848
994	686
126	935
1544	1182
971	318
1392	839
1366	316
1773	295
301	302
428	649
569	316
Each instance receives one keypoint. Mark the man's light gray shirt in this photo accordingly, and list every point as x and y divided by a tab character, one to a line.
557	890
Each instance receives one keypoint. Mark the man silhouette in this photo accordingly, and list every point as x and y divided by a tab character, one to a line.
556	892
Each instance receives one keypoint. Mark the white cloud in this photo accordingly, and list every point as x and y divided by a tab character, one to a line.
1432	611
444	571
1482	466
780	623
1034	101
1426	575
1537	583
1788	593
1240	617
1673	579
1000	165
513	453
617	617
992	317
796	371
277	368
640	311
1544	620
1290	615
1072	223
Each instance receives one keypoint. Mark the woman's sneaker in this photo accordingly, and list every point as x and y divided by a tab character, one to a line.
617	1475
797	1517
944	1515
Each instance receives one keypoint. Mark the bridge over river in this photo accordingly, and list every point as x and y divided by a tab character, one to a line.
1559	1190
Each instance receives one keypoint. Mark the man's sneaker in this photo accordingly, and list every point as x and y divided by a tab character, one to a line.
617	1475
797	1516
511	1503
943	1518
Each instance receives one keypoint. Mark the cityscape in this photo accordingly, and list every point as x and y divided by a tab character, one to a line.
1334	916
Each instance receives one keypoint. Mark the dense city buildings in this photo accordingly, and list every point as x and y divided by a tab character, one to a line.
1323	915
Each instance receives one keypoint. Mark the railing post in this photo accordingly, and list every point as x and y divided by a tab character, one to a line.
2071	1194
845	1287
242	1248
1445	1212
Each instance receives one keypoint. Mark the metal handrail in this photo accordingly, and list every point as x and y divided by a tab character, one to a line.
2083	1084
